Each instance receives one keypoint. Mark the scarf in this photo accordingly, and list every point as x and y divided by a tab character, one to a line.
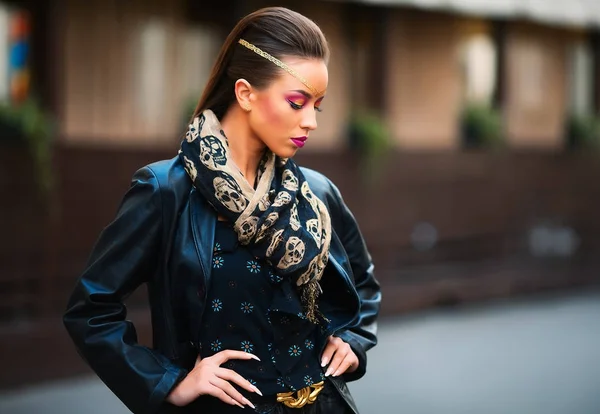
280	221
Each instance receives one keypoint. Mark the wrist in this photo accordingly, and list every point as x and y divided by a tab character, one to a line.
175	396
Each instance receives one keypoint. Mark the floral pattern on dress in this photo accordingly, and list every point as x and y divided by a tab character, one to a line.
274	277
238	315
247	346
216	346
218	262
217	305
295	351
247	307
253	266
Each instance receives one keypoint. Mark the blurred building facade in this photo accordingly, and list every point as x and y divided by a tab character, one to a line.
138	64
445	222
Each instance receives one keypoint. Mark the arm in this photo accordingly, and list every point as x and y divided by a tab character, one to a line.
125	255
361	335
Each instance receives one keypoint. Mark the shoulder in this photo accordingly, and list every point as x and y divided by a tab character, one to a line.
168	172
323	188
169	183
169	175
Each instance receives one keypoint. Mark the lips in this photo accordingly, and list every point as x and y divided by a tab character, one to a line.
299	141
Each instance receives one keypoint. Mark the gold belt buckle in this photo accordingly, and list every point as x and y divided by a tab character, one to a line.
305	396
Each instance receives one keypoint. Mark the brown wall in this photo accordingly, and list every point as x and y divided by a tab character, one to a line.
423	80
109	95
536	85
418	82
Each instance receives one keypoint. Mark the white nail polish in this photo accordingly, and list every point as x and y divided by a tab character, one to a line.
249	403
257	390
324	362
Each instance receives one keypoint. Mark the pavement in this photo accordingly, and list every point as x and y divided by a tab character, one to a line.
535	355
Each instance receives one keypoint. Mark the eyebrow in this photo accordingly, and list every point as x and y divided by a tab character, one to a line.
306	94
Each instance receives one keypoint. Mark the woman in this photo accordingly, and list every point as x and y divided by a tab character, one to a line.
261	289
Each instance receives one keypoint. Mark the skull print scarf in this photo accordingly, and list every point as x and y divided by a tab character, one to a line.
281	221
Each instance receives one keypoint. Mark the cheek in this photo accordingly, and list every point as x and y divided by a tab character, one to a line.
271	112
276	114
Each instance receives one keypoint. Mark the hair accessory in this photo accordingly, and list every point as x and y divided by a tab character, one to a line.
279	63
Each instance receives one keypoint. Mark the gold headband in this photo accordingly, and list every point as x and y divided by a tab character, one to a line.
279	63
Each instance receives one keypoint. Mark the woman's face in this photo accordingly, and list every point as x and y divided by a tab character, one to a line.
284	113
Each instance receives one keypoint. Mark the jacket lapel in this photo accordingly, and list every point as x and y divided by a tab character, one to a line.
203	221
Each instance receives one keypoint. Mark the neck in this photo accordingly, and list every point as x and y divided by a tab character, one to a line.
245	148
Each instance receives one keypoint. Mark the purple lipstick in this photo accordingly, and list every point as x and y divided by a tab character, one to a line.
299	141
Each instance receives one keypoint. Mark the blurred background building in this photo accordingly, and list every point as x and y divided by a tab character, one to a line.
463	134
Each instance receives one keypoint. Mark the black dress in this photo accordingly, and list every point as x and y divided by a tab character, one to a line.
252	309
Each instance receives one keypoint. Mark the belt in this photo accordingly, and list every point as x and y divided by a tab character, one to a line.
298	399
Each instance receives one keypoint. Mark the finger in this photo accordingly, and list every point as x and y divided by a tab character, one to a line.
340	354
230	391
329	351
232	376
224	356
348	362
222	395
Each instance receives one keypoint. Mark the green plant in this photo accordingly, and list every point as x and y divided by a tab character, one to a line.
368	134
29	123
370	138
583	131
481	126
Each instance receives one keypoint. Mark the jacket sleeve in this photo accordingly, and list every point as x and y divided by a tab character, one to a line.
125	256
361	334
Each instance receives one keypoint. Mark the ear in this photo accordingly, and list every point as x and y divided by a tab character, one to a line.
243	94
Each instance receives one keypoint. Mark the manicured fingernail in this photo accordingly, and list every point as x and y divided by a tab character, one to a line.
324	362
249	403
237	403
336	374
255	357
328	373
257	390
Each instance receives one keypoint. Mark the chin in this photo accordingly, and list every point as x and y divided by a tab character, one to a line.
285	152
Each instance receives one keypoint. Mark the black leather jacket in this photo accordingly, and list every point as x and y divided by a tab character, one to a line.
163	236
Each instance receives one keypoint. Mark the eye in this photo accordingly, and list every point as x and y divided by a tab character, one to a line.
318	105
294	105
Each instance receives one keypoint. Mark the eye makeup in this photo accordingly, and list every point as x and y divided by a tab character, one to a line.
298	100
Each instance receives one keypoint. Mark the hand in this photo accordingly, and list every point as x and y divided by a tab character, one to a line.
342	358
208	378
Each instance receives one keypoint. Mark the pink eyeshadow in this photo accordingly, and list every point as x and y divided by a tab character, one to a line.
296	98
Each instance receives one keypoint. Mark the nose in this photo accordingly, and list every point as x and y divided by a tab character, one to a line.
309	120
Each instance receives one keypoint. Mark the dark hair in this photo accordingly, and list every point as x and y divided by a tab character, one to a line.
276	30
